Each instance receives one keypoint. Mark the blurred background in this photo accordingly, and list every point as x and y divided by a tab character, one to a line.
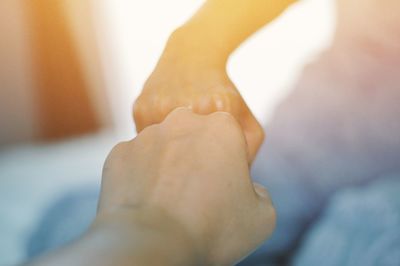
69	74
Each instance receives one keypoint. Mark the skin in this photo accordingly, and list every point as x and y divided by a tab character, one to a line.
192	69
180	193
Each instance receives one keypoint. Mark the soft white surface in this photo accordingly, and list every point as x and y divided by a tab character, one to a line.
32	177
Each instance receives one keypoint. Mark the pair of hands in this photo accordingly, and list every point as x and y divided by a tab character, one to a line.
186	174
180	193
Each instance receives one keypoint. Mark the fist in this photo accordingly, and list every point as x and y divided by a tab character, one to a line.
193	169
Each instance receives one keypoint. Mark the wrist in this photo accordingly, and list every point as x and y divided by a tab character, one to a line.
191	47
142	234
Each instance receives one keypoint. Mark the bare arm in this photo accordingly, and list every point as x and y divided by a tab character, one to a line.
180	193
192	69
220	26
127	238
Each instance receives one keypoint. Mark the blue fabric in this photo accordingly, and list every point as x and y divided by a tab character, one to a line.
361	226
64	221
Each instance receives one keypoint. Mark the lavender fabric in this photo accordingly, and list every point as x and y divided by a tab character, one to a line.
339	128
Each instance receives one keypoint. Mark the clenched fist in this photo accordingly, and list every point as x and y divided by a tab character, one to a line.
188	177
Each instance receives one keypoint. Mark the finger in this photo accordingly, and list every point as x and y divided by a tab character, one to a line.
220	103
203	105
253	132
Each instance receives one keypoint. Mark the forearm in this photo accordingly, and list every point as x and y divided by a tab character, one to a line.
125	238
220	26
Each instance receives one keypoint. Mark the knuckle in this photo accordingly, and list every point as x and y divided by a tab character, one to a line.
149	130
226	101
116	153
226	120
203	105
221	102
165	106
120	148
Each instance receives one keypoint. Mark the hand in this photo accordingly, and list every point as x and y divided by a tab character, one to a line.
190	172
186	77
